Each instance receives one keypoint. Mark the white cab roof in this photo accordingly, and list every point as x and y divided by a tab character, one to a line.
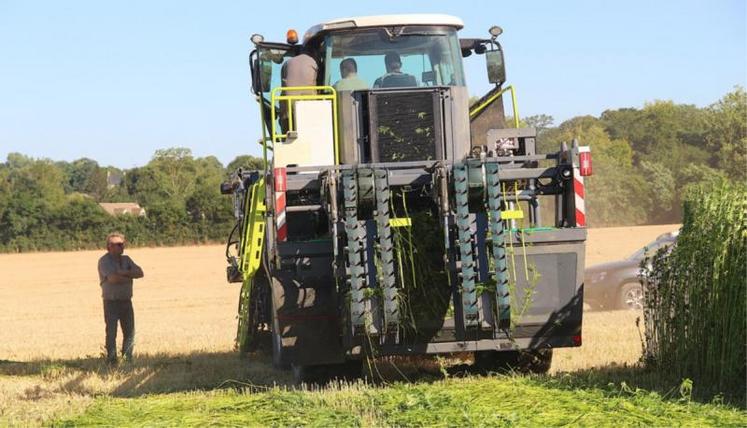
384	21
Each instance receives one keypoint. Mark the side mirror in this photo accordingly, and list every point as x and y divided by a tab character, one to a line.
496	67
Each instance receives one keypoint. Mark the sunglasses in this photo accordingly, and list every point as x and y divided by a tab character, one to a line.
117	244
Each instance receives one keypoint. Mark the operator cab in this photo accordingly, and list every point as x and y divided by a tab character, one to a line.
427	47
407	99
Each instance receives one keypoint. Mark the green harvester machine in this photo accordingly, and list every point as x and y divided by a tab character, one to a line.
395	218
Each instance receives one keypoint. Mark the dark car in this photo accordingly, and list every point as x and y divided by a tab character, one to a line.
616	285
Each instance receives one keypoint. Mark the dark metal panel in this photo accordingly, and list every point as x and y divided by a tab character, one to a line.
439	122
308	249
373	126
495	134
418	176
478	345
458	112
349	131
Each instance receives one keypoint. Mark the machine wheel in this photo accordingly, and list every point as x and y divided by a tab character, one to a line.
277	345
527	361
630	296
324	373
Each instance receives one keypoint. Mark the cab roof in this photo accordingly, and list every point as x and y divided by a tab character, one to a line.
383	21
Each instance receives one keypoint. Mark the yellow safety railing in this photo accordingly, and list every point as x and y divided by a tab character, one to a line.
265	138
285	94
475	111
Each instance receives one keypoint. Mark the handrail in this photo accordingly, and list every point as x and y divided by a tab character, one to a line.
277	96
265	137
474	112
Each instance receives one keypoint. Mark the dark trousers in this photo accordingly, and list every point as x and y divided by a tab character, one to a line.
119	311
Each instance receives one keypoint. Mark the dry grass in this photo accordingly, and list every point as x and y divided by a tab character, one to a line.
52	328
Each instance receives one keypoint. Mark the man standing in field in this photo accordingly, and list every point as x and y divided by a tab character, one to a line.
116	272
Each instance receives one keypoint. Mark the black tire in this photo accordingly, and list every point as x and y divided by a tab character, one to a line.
630	296
277	348
537	361
527	361
322	374
496	361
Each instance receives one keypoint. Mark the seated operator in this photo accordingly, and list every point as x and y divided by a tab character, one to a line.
394	77
350	80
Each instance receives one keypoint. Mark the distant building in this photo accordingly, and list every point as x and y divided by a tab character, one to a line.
113	178
121	208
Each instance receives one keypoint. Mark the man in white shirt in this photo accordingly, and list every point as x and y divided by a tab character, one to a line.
116	272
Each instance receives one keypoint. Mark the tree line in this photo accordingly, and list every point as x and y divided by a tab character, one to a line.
46	205
644	161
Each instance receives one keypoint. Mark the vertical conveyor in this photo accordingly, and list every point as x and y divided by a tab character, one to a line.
356	254
464	225
498	244
385	271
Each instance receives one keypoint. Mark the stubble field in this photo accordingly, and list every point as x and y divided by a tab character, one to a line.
52	330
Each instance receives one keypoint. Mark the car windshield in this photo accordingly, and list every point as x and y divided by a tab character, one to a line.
429	56
650	249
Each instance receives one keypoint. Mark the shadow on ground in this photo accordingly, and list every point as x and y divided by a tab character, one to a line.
164	373
148	374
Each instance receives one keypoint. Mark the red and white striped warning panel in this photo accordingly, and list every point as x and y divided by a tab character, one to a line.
281	226
584	160
579	193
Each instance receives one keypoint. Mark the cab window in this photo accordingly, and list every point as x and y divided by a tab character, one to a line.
430	55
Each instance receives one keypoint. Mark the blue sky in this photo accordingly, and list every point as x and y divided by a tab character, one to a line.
114	81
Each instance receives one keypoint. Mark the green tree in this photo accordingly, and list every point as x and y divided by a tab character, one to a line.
727	133
246	162
5	190
663	132
17	161
170	177
40	179
206	206
174	171
662	196
86	176
701	176
540	122
616	194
